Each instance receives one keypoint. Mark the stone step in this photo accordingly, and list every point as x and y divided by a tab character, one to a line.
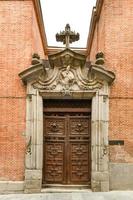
57	188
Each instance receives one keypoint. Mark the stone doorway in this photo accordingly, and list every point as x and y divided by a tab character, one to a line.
67	75
67	143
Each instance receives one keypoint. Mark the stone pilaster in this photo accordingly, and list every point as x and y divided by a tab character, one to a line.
34	134
99	143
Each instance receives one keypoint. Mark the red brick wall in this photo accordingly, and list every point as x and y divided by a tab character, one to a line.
101	31
36	39
94	48
98	41
118	50
18	36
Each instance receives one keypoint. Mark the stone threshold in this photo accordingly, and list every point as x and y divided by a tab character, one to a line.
57	188
63	190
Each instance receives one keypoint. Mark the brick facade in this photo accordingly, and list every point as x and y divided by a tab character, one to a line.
20	38
113	36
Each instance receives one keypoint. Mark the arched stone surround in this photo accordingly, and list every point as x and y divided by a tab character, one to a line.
40	86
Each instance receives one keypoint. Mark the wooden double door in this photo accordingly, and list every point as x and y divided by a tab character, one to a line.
67	148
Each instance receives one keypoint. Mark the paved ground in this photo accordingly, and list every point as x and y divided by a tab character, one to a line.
71	196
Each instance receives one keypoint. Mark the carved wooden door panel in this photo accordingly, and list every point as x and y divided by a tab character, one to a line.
79	149
66	149
54	149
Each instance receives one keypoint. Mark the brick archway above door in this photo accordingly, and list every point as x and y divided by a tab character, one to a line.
67	75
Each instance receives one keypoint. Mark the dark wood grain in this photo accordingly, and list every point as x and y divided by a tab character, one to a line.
67	147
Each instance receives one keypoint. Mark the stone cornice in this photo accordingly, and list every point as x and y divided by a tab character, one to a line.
95	16
104	74
31	73
53	50
38	11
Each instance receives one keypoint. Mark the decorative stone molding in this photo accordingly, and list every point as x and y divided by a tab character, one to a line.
67	75
67	72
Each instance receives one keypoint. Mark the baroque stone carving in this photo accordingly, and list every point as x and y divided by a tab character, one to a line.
28	147
67	71
65	76
67	36
67	80
35	59
99	58
60	75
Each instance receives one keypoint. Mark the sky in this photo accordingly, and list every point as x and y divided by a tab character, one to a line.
57	13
